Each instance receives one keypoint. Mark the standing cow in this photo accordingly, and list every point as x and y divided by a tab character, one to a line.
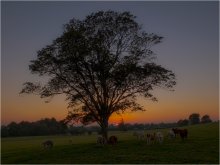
112	140
159	137
182	132
101	140
171	134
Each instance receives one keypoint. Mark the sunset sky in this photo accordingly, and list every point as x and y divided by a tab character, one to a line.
190	49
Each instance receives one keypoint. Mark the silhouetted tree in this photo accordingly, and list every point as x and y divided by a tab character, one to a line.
194	118
206	119
183	122
4	131
41	127
24	128
13	129
101	64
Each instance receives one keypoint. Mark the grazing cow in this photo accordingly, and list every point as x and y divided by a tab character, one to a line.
139	135
101	140
150	138
48	144
176	131
159	137
153	137
171	134
112	140
182	132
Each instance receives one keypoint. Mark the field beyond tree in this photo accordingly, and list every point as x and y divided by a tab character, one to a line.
202	146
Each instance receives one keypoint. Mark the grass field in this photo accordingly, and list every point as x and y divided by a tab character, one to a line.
202	146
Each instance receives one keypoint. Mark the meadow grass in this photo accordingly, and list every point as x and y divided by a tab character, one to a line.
201	147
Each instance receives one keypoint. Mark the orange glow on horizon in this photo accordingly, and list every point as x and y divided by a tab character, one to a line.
32	108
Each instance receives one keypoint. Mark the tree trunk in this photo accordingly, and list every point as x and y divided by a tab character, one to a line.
104	129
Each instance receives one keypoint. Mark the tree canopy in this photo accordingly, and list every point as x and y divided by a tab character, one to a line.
102	64
194	118
206	119
41	127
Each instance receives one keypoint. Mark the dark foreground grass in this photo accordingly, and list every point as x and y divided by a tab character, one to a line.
202	147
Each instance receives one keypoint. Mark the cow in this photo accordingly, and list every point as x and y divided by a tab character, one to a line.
175	131
48	144
150	138
182	132
159	137
112	140
171	134
140	135
101	140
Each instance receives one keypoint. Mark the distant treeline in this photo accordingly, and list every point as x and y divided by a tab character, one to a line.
53	127
40	127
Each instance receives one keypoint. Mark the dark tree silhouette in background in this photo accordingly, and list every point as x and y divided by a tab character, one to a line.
41	127
101	64
194	118
206	119
183	122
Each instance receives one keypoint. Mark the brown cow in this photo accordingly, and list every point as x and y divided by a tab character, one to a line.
48	144
175	131
151	138
112	140
182	132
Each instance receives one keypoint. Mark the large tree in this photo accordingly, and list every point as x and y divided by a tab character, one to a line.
101	64
194	118
206	119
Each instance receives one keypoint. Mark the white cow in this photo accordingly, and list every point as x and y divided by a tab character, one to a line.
159	137
101	140
139	134
171	134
